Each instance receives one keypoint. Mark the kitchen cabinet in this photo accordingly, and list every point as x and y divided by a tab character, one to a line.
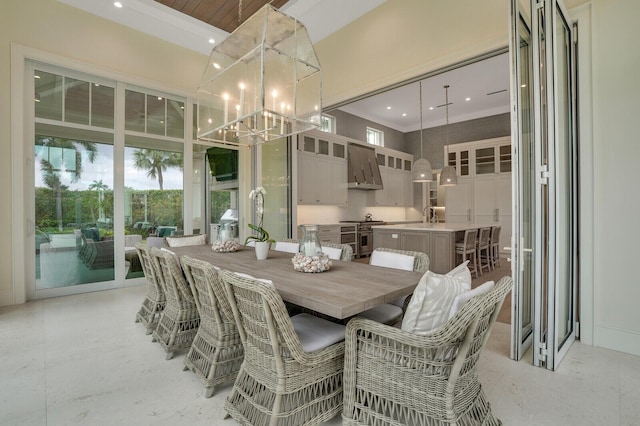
395	170
484	196
479	158
436	240
326	233
322	169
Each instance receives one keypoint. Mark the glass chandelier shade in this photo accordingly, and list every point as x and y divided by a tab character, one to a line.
448	174
261	83
421	169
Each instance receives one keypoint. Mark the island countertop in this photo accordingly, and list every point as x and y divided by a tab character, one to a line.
441	227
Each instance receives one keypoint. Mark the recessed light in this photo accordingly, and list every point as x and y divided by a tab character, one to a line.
404	114
467	99
216	65
117	4
430	108
211	41
388	107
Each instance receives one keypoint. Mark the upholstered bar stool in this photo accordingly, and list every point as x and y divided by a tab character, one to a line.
467	249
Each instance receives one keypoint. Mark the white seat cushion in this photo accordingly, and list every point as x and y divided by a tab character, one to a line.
392	260
433	298
154	242
333	252
287	246
383	314
193	240
463	298
316	333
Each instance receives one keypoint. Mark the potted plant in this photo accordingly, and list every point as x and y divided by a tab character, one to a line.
262	239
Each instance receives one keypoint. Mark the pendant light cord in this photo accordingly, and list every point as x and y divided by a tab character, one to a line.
421	152
446	102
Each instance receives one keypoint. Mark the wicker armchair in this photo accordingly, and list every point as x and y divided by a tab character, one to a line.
392	313
280	382
395	377
155	301
179	320
216	352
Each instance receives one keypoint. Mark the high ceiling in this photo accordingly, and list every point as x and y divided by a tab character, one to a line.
223	14
193	23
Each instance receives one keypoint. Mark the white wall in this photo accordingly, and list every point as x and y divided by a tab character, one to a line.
616	105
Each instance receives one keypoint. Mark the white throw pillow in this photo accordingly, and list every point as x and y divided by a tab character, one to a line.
432	299
392	260
193	240
463	298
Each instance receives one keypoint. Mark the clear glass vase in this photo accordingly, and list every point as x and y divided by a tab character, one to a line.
310	243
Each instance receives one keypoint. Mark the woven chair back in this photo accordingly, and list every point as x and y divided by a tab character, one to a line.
347	251
420	259
470	237
208	290
175	286
483	238
150	271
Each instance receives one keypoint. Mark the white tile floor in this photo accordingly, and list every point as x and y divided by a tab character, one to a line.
82	360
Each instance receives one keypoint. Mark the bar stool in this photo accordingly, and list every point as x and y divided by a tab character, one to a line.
467	248
483	251
494	244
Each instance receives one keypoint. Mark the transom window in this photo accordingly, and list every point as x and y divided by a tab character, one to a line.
375	136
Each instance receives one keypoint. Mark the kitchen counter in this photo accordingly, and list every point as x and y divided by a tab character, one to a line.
419	226
437	240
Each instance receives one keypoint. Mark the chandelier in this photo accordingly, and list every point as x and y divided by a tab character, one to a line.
261	83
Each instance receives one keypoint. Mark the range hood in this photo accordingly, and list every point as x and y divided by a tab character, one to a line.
363	170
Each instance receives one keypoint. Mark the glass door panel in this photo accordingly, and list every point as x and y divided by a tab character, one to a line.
524	165
73	209
153	187
563	308
276	179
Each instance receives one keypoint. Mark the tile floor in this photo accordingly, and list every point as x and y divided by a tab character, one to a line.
82	360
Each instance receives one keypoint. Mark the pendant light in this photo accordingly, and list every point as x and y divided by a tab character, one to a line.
448	175
421	170
263	82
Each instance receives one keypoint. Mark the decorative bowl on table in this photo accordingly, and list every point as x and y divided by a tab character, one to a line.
315	263
227	246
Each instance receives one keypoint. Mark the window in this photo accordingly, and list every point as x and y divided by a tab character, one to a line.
375	136
328	123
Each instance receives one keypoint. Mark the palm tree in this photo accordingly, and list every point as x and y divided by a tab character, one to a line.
156	162
53	172
99	186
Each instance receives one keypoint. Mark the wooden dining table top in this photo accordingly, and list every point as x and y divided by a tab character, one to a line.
347	289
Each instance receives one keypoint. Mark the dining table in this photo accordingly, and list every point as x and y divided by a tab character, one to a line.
345	290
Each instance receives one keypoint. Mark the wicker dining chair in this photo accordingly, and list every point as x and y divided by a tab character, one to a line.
288	376
179	320
396	377
216	352
346	251
155	300
391	313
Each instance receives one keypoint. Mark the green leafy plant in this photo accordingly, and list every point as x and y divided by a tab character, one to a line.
257	195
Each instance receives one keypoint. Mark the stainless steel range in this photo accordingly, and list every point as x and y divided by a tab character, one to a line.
364	236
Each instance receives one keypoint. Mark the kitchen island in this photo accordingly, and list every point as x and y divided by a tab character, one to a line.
437	240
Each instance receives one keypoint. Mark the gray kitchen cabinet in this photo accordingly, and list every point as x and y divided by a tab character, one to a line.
438	245
387	239
395	170
322	169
